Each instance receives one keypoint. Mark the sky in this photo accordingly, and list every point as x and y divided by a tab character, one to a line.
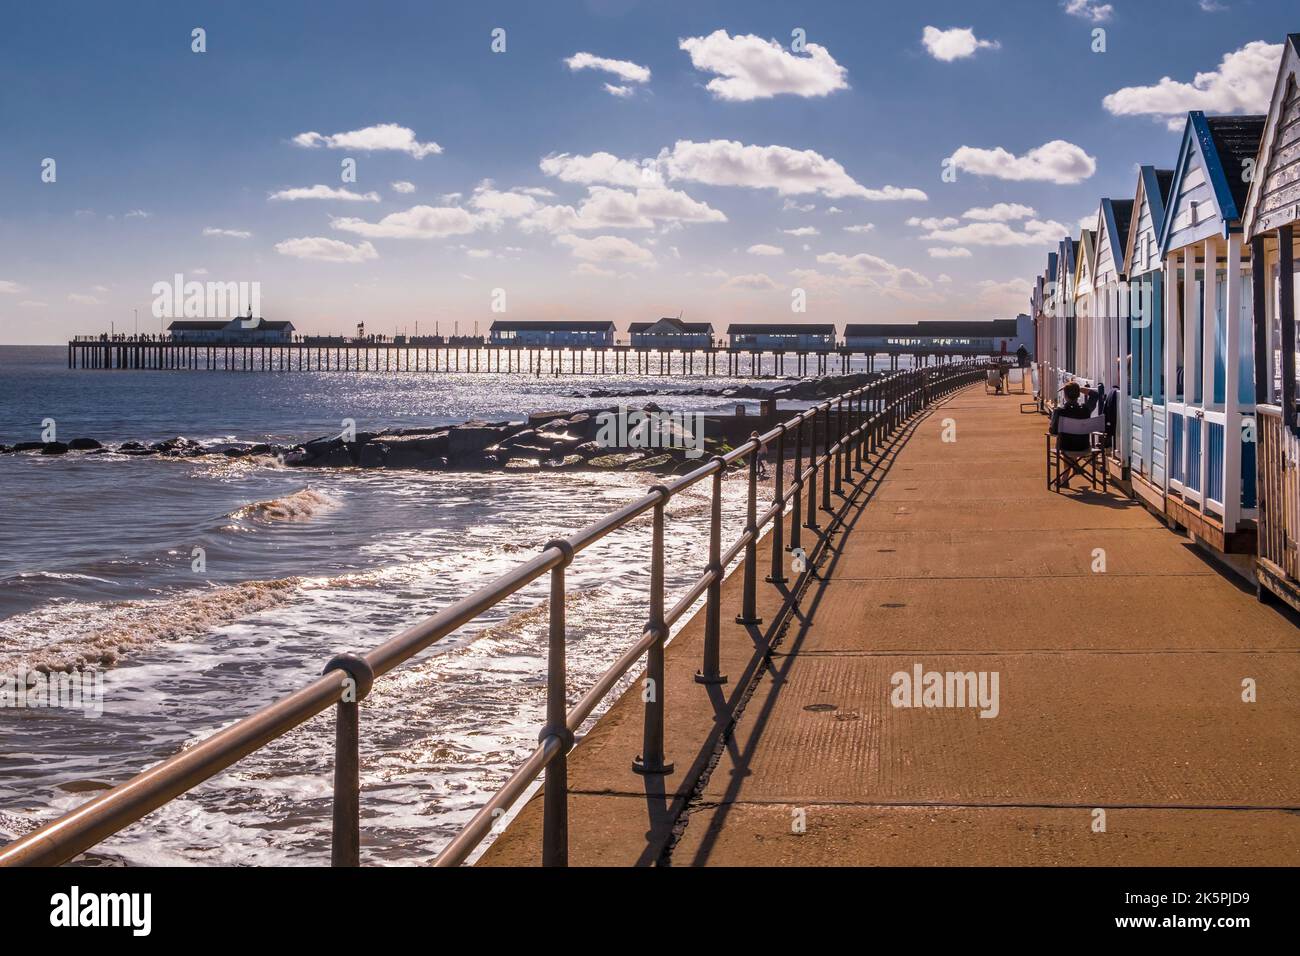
594	159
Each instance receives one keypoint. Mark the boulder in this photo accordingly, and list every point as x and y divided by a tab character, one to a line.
179	445
28	446
83	444
467	443
54	448
415	450
616	460
372	455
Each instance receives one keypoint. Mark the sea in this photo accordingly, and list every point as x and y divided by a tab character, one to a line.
100	568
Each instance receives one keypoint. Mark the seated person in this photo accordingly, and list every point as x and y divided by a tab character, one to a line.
1073	408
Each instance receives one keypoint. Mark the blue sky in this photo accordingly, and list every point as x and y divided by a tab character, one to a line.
167	159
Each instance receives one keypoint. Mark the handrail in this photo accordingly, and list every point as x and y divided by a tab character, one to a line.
874	410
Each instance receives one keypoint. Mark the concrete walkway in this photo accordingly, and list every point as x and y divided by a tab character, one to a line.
1119	691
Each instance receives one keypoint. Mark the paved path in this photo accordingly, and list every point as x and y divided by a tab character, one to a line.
1118	691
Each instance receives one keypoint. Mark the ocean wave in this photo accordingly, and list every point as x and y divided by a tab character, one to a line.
299	506
70	636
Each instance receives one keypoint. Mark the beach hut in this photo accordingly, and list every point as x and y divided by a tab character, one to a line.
1084	319
1144	273
1210	479
1112	319
1270	225
1048	333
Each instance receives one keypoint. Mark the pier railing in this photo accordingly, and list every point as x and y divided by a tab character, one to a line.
838	434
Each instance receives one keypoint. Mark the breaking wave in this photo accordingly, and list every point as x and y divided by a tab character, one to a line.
298	506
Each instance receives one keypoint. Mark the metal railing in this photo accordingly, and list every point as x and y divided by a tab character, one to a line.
860	419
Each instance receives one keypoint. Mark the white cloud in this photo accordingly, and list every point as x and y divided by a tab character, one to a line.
949	252
402	186
933	222
751	282
802	231
954	44
1088	221
791	206
227	233
625	70
385	136
1089	10
137	214
722	162
1000	212
622	92
320	191
33	304
1012	292
833	210
868	266
763	249
865	227
497	205
326	250
751	68
1035	232
1055	162
591	269
9	287
606	249
1243	83
80	299
606	208
418	222
601	167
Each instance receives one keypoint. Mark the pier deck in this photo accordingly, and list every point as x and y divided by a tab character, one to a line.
1118	691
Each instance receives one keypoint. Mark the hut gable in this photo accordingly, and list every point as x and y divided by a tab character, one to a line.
1142	246
1112	232
1209	186
1274	197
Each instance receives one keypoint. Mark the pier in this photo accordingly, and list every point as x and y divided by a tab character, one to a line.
337	354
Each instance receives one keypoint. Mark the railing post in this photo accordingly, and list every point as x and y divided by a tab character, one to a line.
811	522
861	429
555	793
839	448
777	575
652	760
748	611
796	509
345	841
826	465
709	673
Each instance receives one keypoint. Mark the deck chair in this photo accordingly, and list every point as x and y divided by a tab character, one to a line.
993	382
1089	464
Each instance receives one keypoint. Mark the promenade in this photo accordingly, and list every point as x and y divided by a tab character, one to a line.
1119	653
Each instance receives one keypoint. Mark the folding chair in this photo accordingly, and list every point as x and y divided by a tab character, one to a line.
1089	464
993	382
